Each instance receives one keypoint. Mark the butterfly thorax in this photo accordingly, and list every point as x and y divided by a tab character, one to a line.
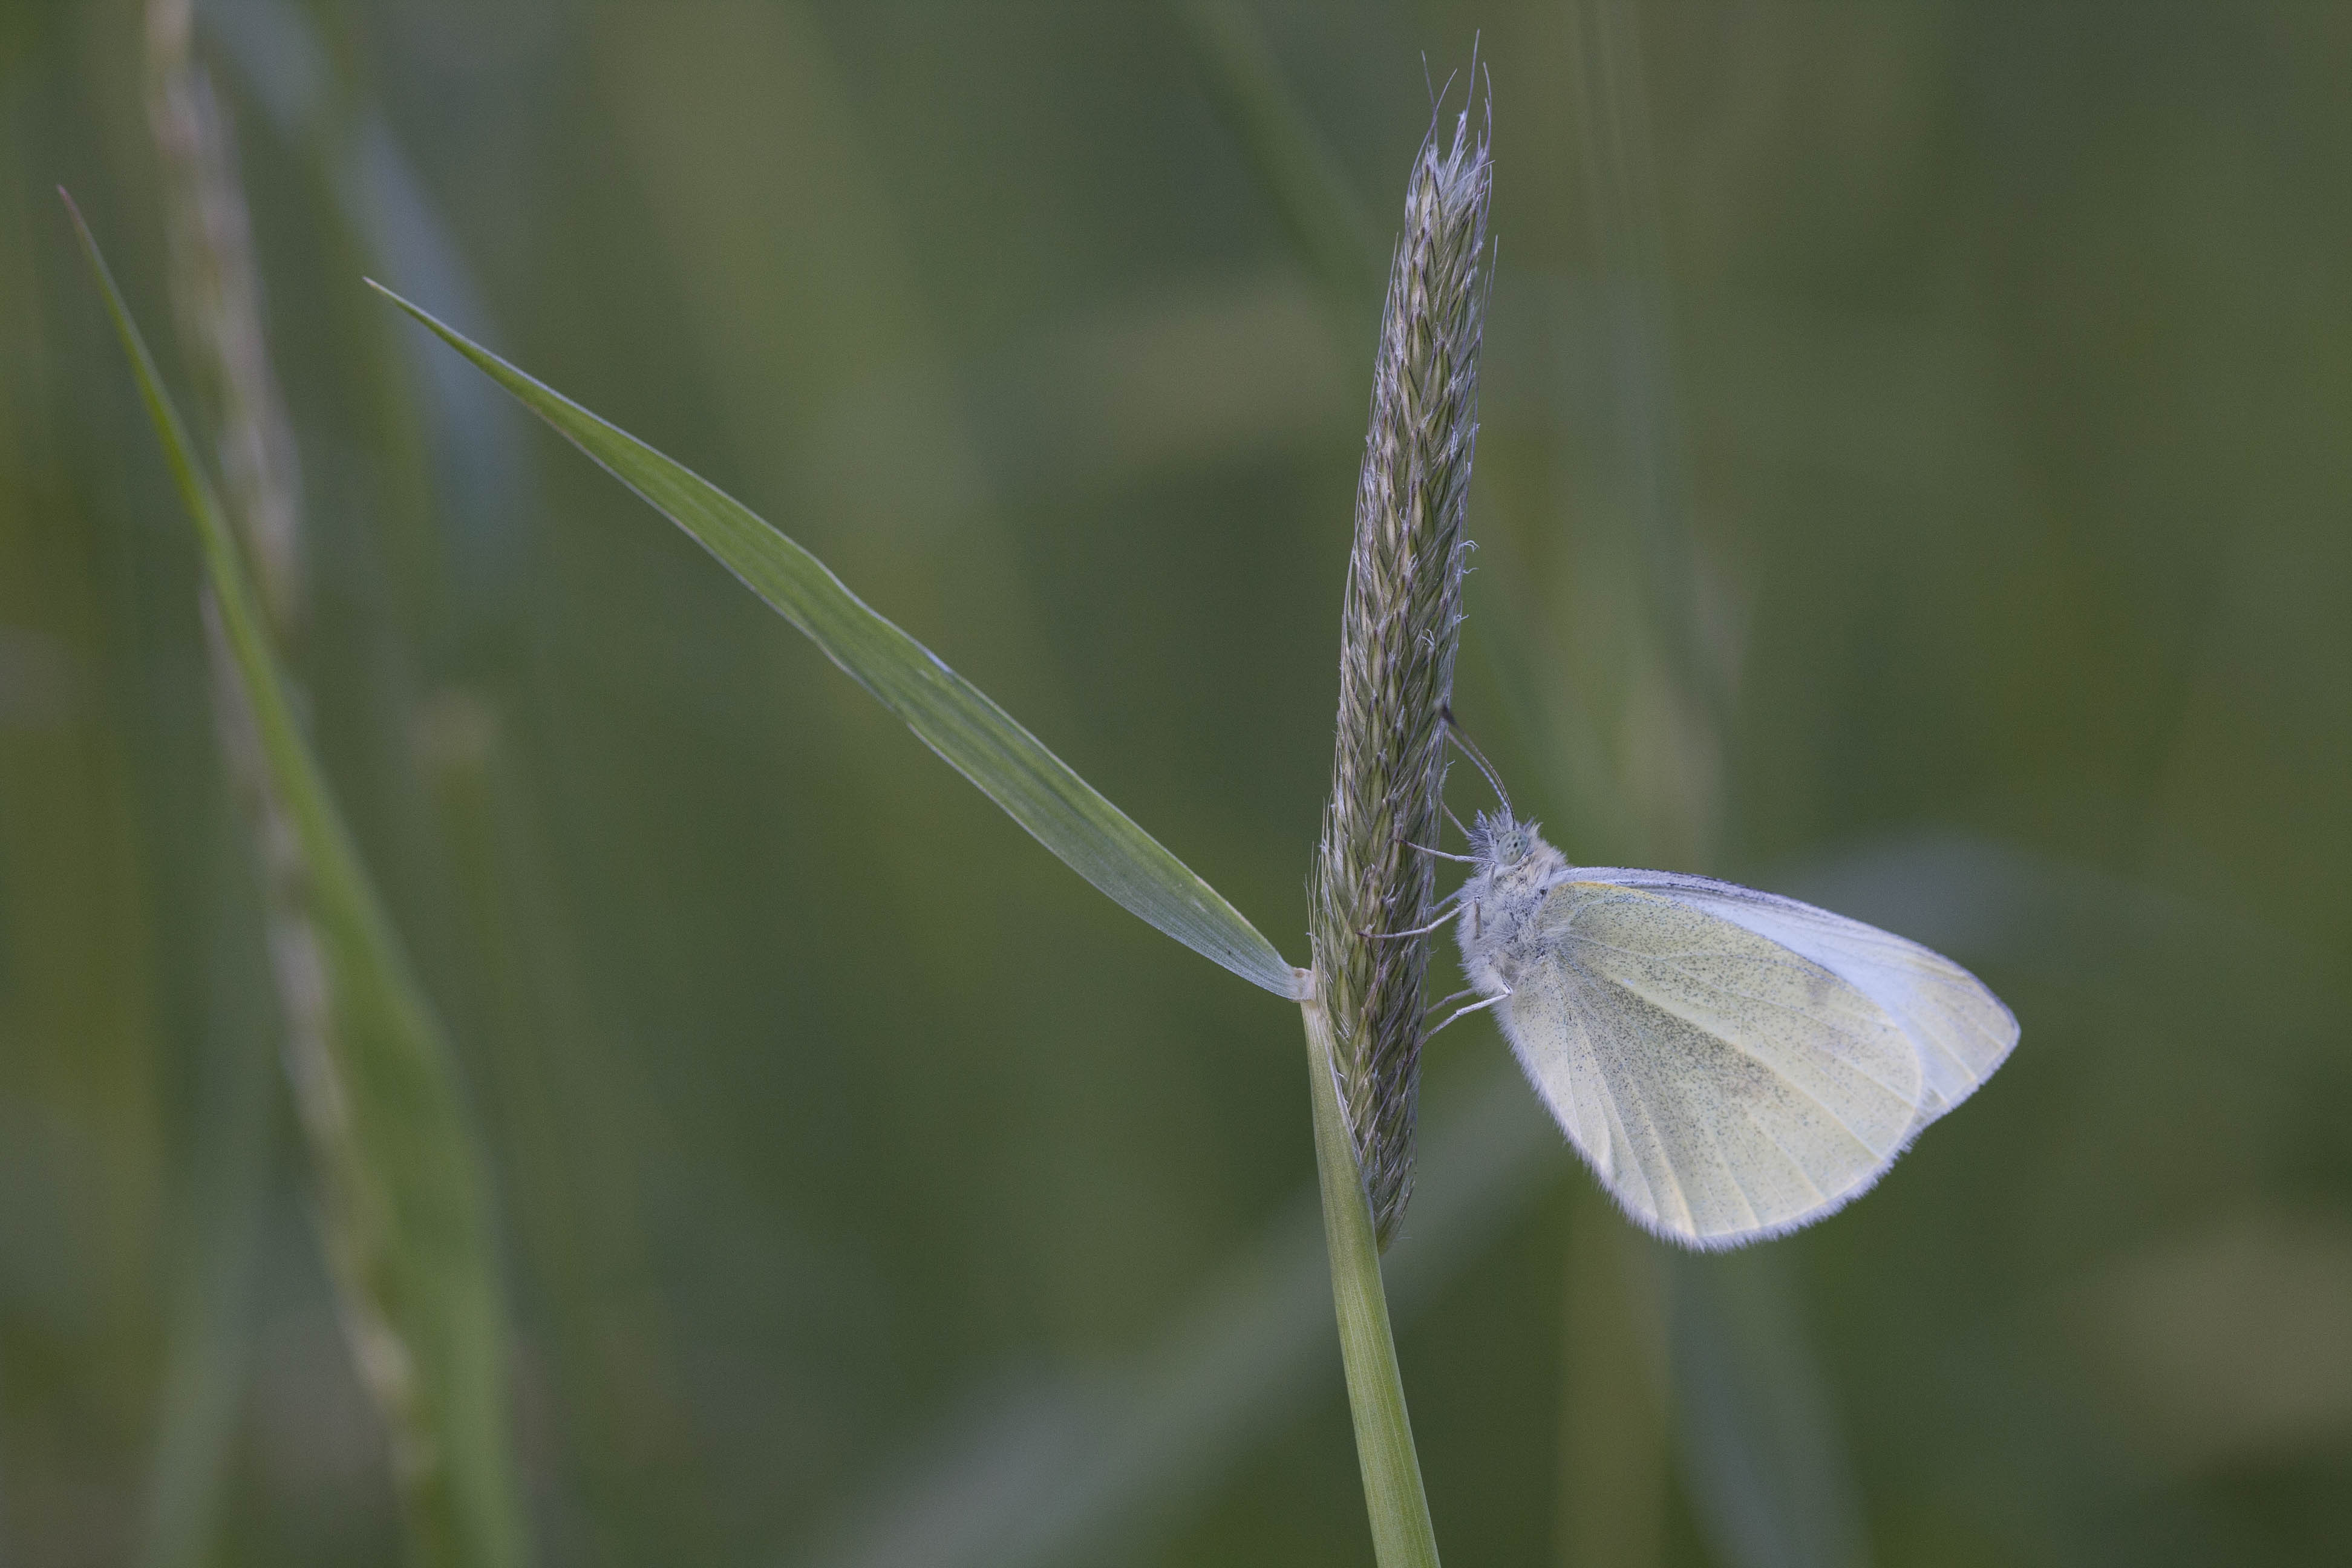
1515	870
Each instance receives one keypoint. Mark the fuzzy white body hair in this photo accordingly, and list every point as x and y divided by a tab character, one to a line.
1500	903
1731	1064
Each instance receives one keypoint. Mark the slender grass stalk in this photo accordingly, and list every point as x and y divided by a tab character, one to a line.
1402	1536
1402	623
216	305
406	1220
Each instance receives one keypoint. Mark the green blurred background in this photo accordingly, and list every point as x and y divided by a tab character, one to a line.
1914	476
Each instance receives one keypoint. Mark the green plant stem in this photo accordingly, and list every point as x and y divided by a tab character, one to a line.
1401	1535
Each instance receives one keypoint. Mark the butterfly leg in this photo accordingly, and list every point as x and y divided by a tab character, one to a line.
1418	931
1473	1007
1371	935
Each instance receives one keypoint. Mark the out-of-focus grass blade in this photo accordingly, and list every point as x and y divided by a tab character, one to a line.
1311	195
1767	1467
219	1241
414	1245
555	1097
950	714
1622	197
1613	1454
1082	1468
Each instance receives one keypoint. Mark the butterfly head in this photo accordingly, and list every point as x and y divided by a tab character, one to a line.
1501	842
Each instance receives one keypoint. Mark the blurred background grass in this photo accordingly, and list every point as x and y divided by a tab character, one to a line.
1914	475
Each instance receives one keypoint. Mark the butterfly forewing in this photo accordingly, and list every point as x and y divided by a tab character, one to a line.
1723	1085
1961	1029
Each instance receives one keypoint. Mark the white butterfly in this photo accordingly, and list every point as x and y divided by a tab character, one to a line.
1732	1065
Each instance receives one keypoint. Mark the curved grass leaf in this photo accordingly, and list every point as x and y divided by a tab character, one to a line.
407	1223
950	714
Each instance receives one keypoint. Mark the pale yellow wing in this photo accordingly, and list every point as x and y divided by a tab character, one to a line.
1724	1087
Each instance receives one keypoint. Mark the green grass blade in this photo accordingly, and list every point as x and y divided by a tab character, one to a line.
950	714
407	1228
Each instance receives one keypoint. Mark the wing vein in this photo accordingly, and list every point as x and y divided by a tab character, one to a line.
1762	1002
1665	1165
1794	1163
1842	1125
1755	1220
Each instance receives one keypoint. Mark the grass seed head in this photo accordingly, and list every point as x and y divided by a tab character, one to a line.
1399	627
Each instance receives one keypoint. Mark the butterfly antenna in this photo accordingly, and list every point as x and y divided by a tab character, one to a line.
1471	751
1454	819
